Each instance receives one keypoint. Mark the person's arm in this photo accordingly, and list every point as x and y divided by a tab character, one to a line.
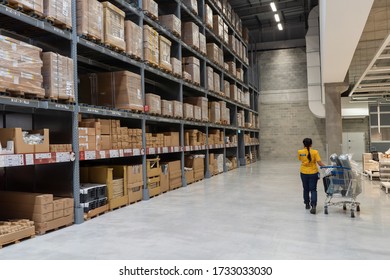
320	163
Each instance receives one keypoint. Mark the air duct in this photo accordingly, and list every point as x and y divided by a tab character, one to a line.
314	85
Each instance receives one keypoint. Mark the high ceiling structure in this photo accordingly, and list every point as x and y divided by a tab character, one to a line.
258	17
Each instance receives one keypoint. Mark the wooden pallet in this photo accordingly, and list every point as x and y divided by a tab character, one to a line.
176	34
176	75
114	48
20	93
57	23
151	64
96	212
134	56
92	38
46	227
152	16
24	9
168	71
16	237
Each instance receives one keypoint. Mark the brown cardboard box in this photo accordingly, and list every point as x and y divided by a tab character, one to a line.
190	34
188	111
177	109
167	108
114	26
202	44
215	112
176	66
217	82
151	7
202	102
218	26
172	22
153	102
35	5
58	214
59	11
90	18
192	5
151	45
213	52
165	53
133	38
197	113
106	142
20	147
226	85
164	177
189	173
192	66
128	91
209	16
210	78
134	174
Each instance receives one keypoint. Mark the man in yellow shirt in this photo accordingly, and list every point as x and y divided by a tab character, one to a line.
309	173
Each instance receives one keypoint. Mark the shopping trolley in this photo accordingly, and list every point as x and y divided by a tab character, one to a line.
342	184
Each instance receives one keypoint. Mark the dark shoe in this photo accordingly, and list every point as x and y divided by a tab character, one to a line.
307	206
313	210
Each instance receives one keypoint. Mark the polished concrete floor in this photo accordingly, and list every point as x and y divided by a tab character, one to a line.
253	212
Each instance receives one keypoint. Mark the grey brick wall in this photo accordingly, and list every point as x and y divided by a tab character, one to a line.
285	117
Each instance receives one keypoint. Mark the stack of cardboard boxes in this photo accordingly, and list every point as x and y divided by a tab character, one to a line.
202	103
192	5
175	174
133	38
47	212
114	26
216	137
25	141
90	19
165	53
151	50
135	182
58	74
172	22
188	111
196	162
151	8
58	11
191	65
194	137
215	112
153	103
20	67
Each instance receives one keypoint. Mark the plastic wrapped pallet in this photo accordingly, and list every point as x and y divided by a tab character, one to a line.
177	109
34	5
176	66
192	66
172	22
90	19
226	33
209	16
165	53
167	108
210	78
190	34
192	5
233	92
150	7
114	26
217	82
188	111
20	67
226	88
153	101
59	11
133	38
202	102
213	52
222	106
58	76
214	112
202	44
218	26
197	113
232	68
151	40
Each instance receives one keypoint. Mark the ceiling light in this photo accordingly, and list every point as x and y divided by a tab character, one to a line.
273	6
277	18
280	26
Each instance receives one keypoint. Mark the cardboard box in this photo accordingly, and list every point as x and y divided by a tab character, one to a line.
192	66
20	146
197	113
164	177
172	22
151	45
177	109
35	5
218	26
202	44
210	78
226	86
214	112
209	17
165	53
153	102
134	174
151	7
176	66
90	19
202	102
217	82
213	52
188	111
133	39
189	173
114	26
192	5
105	142
190	34
59	11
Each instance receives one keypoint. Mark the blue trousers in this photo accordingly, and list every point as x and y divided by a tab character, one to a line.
309	183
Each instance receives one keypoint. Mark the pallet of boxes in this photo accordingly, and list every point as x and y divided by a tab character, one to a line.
196	163
47	211
135	183
115	180
153	172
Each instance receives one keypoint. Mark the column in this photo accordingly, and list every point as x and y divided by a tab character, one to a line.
333	120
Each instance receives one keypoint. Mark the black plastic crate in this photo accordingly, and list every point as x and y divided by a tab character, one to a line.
101	191
88	192
87	206
102	201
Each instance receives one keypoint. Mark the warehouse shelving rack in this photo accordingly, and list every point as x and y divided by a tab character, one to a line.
63	169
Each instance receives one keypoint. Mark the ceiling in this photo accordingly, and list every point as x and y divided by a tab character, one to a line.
258	17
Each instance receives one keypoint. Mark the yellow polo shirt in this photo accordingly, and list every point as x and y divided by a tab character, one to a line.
306	166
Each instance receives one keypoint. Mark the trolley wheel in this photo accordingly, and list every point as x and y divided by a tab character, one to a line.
352	214
358	208
344	207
